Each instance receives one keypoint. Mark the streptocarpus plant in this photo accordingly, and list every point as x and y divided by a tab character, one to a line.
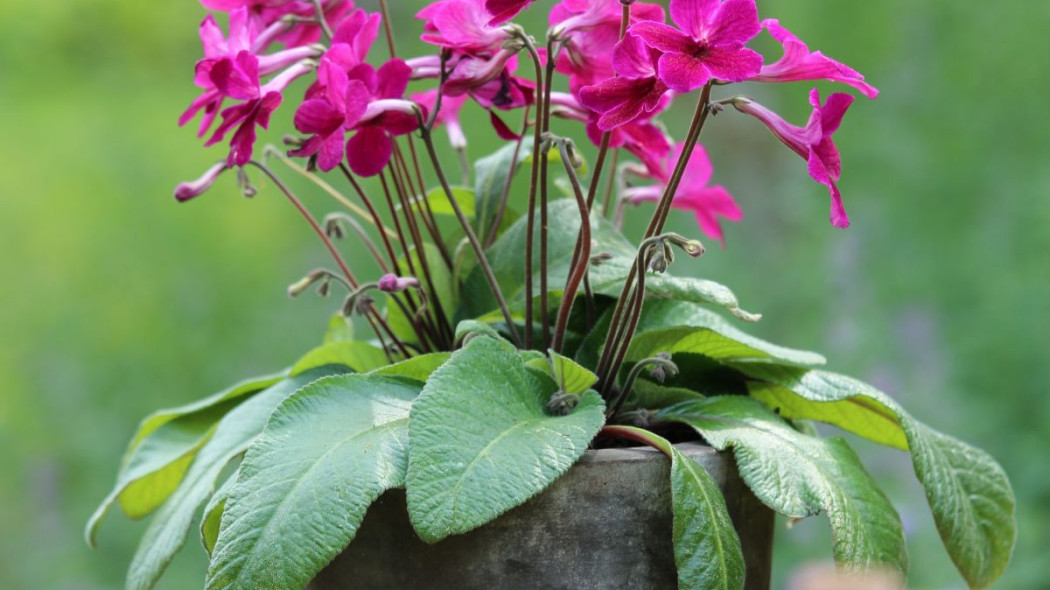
513	320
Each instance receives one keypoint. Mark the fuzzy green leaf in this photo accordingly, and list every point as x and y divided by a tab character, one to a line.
482	443
359	356
212	519
326	454
799	476
706	547
233	434
570	377
417	368
163	448
440	205
968	492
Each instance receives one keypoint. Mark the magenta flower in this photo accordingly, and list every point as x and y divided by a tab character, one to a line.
463	25
338	107
590	30
707	203
813	142
710	44
269	14
387	115
391	283
798	63
635	93
504	10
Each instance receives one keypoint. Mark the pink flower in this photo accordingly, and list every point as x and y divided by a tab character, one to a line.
707	203
369	148
813	142
338	107
504	10
640	137
391	283
709	45
635	93
798	64
590	30
491	82
463	25
447	116
259	103
268	15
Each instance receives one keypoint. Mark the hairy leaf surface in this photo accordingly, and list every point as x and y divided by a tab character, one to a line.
482	442
326	454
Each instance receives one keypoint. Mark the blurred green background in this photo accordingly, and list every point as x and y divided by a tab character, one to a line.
117	301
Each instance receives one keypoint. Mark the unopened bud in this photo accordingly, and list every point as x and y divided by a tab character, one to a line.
247	188
601	258
299	287
292	141
196	188
391	283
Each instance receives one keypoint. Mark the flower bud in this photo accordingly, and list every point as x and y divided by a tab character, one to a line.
391	283
195	188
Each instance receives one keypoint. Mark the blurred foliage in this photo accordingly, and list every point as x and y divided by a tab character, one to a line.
116	301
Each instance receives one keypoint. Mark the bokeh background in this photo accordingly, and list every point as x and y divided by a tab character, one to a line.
116	301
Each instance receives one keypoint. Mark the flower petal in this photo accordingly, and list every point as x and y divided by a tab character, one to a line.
317	116
368	151
736	23
693	16
683	73
662	37
632	58
732	64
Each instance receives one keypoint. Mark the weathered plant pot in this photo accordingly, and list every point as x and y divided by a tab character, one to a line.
605	524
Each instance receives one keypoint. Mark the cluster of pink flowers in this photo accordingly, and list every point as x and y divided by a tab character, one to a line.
621	76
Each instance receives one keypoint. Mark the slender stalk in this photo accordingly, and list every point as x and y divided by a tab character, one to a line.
361	235
599	165
438	238
582	254
505	197
386	27
382	341
553	47
483	262
321	20
324	186
607	200
530	222
384	232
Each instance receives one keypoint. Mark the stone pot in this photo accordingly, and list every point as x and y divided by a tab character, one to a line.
605	524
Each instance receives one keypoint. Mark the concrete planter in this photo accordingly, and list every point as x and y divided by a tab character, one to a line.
605	524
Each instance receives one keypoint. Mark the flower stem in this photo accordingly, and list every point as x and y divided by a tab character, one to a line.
582	254
384	233
505	197
530	223
483	262
386	27
638	435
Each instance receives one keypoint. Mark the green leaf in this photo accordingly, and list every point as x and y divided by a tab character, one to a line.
968	492
163	448
665	286
799	476
469	327
212	519
683	327
490	178
417	368
482	443
440	205
706	547
570	377
340	329
167	531
326	454
648	395
688	328
359	356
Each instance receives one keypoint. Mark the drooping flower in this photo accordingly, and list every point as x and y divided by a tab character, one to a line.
812	142
335	109
387	115
270	15
260	101
641	137
226	53
709	44
636	92
589	30
798	63
707	203
504	10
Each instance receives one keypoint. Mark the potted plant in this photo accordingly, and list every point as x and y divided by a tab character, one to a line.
512	327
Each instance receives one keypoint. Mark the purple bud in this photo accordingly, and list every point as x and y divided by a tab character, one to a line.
391	283
195	188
